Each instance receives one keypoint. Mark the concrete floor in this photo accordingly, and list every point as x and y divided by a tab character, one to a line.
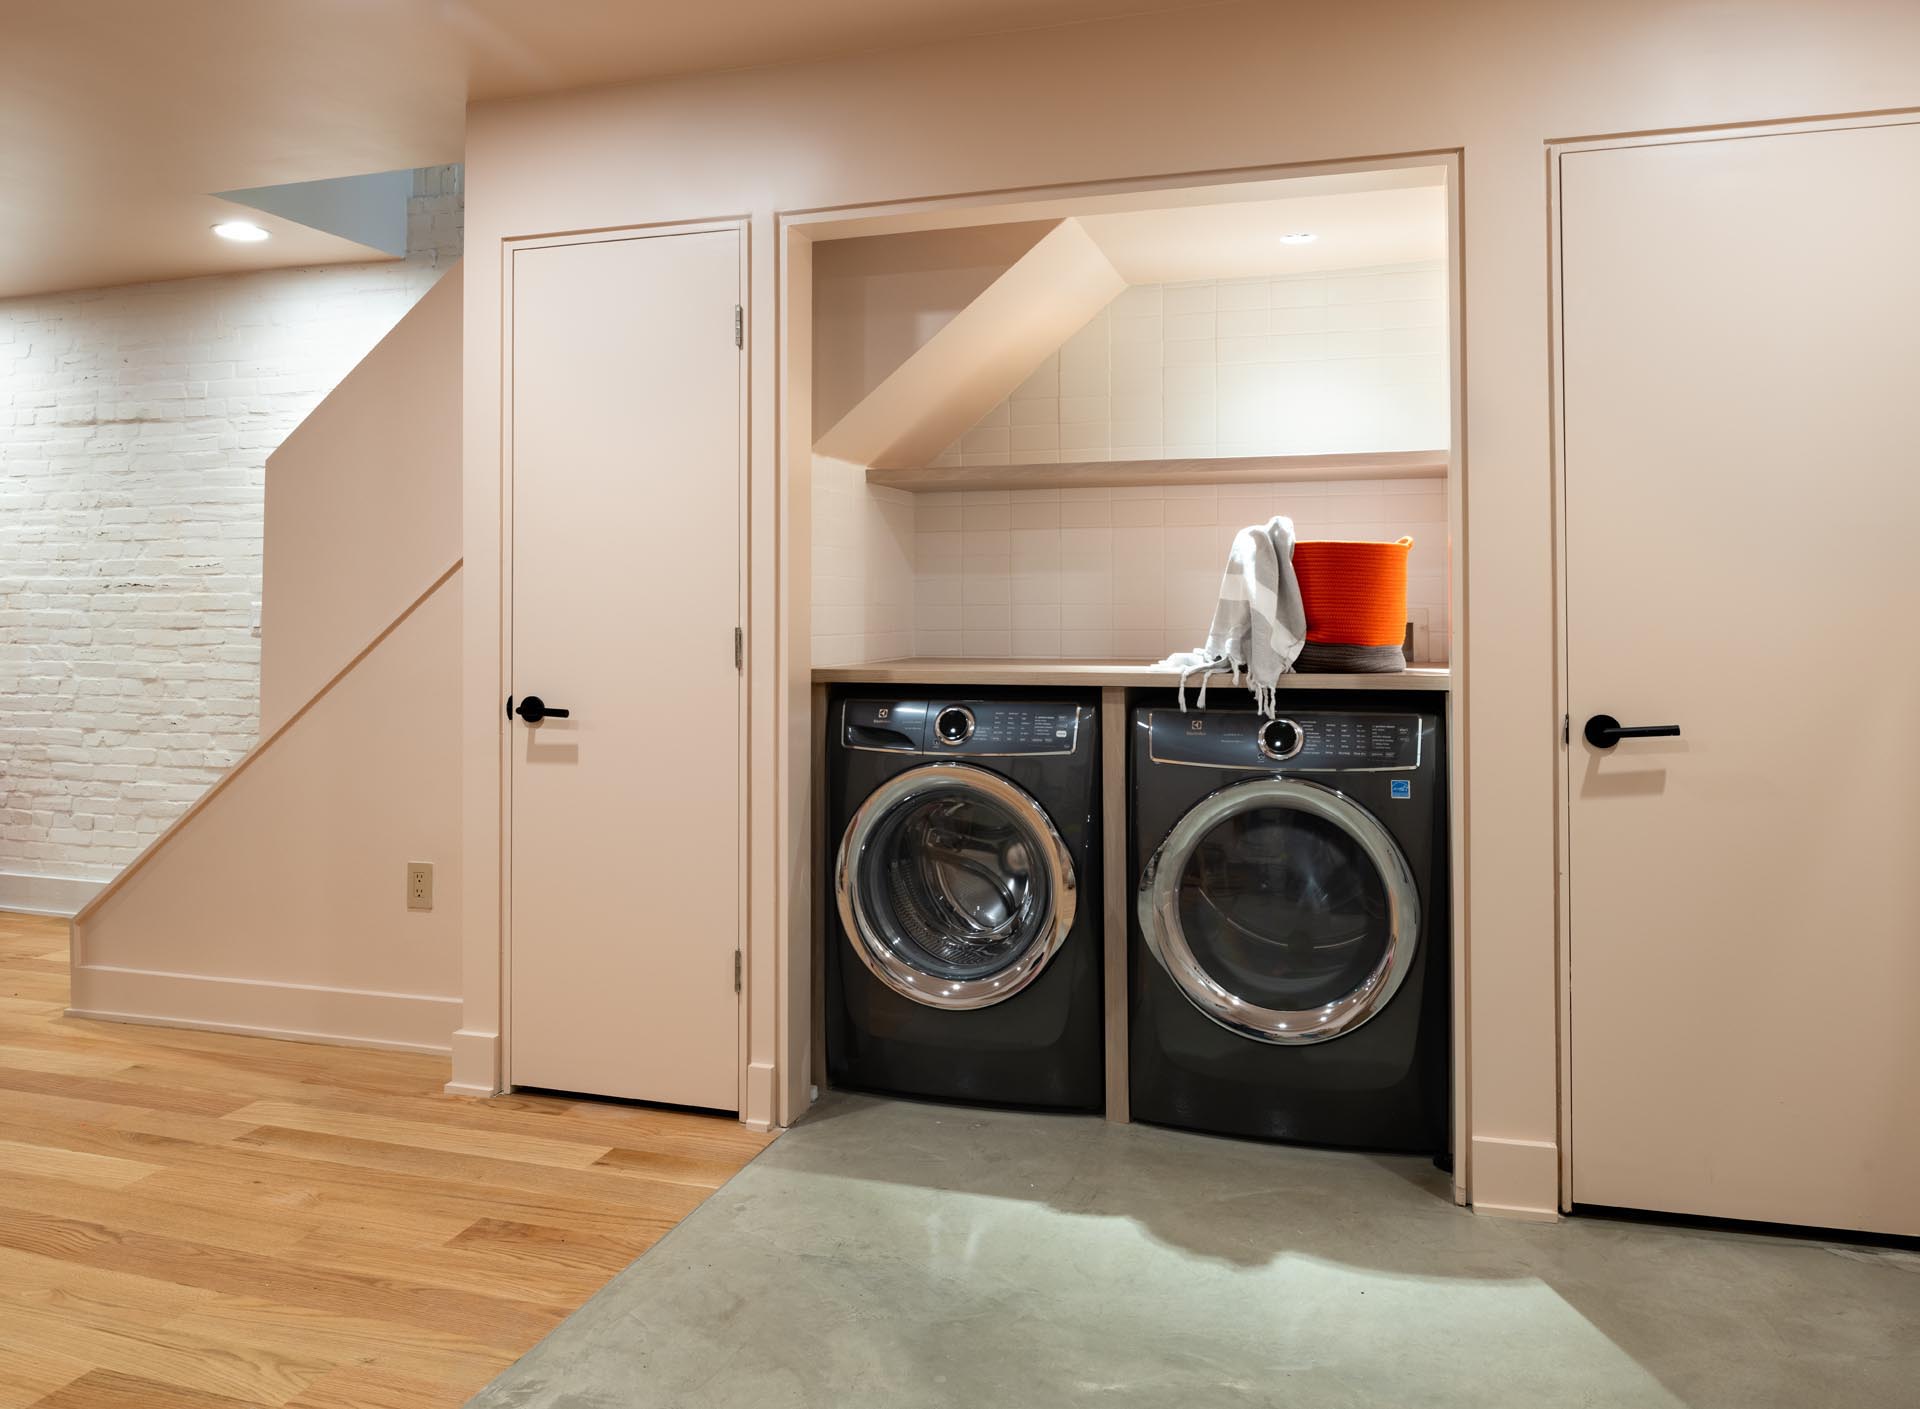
903	1256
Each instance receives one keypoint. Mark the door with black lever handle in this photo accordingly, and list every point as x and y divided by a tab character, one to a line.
533	709
1603	731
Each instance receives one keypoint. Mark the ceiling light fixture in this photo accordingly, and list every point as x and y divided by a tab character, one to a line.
1299	237
245	231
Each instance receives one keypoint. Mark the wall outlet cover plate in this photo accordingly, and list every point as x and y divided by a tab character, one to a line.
419	885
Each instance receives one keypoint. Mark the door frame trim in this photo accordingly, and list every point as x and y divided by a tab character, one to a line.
797	900
1556	152
743	801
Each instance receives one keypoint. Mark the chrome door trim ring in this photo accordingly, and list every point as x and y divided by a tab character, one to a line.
1158	905
965	713
879	955
1278	756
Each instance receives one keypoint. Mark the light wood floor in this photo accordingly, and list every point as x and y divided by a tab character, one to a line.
190	1219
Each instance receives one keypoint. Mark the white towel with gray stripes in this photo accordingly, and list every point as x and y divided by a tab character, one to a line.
1259	624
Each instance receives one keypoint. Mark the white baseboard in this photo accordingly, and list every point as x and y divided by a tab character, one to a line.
761	1112
30	894
1524	1215
476	1064
347	1017
1515	1178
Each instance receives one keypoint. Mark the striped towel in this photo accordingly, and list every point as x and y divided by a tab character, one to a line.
1259	625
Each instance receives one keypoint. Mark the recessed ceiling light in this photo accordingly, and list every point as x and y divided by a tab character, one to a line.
244	231
1299	237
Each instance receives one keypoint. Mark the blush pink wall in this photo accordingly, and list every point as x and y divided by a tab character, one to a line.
278	906
361	500
277	903
1229	86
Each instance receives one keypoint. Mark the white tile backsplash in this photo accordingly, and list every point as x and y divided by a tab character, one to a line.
1188	298
1135	571
1344	361
1327	363
867	556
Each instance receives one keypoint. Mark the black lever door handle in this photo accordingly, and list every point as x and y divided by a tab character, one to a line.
533	709
1603	731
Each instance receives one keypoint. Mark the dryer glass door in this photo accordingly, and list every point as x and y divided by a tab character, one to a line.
954	886
1282	909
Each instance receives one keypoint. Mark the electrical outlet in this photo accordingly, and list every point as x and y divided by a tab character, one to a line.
419	885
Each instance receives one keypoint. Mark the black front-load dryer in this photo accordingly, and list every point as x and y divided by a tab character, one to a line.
1289	931
963	901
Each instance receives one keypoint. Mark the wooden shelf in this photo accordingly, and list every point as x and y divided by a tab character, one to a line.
967	673
1110	474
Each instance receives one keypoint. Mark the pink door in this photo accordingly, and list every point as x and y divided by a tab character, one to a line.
624	835
1742	432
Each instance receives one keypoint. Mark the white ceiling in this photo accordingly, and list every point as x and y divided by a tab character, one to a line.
1407	225
117	117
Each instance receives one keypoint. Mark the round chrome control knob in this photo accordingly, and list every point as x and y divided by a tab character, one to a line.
1281	739
953	725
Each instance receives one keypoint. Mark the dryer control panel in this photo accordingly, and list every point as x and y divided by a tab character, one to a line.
961	728
1305	742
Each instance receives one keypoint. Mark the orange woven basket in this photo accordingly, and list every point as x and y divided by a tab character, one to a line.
1355	593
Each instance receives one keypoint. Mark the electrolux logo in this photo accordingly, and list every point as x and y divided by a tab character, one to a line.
1196	725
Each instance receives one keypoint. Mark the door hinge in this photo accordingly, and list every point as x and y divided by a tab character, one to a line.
736	971
1566	728
739	326
739	648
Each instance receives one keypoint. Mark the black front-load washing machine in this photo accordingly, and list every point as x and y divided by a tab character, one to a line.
1288	942
963	901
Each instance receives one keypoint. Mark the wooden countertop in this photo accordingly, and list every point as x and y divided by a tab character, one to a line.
948	670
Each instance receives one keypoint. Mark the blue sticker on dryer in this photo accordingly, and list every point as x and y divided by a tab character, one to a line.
1402	788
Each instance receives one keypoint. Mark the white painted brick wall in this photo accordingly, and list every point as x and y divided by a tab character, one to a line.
135	425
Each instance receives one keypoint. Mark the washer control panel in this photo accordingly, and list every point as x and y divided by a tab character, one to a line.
1293	743
961	728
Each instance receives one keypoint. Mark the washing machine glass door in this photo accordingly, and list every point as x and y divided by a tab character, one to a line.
1282	909
954	886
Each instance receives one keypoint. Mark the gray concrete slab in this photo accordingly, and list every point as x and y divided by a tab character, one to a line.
904	1256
